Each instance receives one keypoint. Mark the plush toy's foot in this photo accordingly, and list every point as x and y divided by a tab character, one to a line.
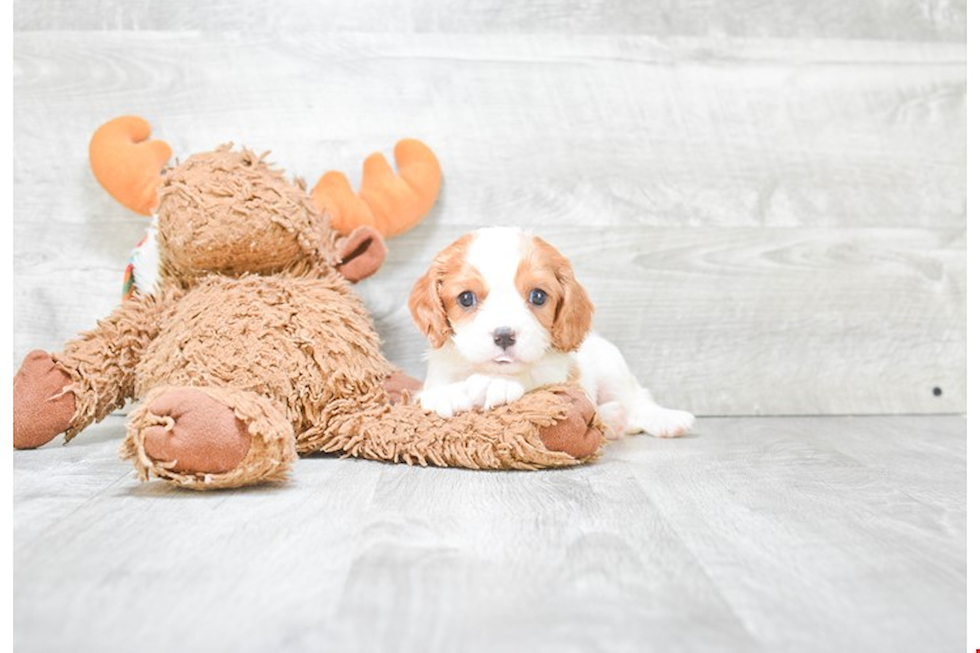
196	432
578	434
206	438
42	406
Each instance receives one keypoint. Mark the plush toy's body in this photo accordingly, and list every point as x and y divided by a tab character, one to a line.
254	347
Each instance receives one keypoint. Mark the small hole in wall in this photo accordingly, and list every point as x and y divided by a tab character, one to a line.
937	392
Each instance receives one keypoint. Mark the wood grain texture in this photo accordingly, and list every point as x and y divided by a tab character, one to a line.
756	534
604	130
749	320
767	227
920	20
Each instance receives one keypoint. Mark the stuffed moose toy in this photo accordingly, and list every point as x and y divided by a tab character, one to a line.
252	346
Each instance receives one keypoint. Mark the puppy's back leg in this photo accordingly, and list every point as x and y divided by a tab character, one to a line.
607	377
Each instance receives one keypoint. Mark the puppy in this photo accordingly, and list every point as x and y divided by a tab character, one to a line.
504	314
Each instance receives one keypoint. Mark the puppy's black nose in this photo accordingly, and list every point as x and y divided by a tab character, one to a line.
504	337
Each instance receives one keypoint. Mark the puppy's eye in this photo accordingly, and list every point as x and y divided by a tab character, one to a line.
537	297
466	299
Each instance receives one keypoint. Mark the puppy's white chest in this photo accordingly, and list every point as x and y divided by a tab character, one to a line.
553	368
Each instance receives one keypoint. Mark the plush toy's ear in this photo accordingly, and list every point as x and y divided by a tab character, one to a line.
127	164
388	202
361	254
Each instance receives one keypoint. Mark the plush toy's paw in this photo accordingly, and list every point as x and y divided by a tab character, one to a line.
208	438
661	422
42	406
196	433
447	400
576	435
491	391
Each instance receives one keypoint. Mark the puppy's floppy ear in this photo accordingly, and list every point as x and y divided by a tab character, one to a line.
427	310
573	317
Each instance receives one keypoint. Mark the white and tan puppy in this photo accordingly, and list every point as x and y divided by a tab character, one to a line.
504	314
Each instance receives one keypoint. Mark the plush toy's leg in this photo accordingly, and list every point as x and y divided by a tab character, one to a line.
550	427
209	438
91	377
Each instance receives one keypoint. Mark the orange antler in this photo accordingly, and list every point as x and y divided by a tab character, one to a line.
388	202
126	164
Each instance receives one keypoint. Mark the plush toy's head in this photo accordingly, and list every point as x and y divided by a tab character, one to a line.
230	212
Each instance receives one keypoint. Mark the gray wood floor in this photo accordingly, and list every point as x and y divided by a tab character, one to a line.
757	534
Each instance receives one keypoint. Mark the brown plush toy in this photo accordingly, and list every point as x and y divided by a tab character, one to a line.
254	348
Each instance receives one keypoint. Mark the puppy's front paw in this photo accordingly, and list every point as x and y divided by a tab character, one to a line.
661	422
502	391
445	401
490	391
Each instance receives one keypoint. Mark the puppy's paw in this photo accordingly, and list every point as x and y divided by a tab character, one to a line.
661	422
476	388
613	414
489	391
502	391
445	401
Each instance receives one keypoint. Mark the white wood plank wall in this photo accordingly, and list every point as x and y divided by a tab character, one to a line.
766	199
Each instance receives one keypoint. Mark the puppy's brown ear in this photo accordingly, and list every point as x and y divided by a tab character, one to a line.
573	317
427	310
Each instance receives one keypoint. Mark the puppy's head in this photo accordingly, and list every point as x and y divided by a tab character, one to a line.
504	298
